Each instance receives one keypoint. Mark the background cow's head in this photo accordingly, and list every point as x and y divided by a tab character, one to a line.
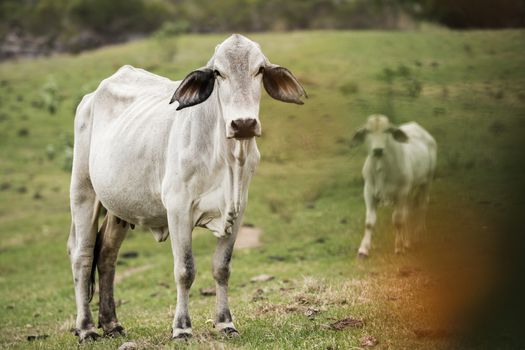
378	131
235	71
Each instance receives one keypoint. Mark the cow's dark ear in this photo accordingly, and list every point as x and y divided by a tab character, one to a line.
195	88
359	136
398	135
280	83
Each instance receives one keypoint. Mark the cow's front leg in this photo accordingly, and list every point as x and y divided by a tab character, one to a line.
370	221
184	269
221	274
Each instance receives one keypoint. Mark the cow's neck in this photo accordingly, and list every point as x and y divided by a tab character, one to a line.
239	157
240	171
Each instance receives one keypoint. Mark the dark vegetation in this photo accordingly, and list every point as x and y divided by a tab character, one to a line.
40	27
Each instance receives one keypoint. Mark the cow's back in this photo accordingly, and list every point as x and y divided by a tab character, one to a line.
420	151
132	119
129	86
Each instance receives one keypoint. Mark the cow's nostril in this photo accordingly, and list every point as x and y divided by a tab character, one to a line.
253	123
378	152
234	125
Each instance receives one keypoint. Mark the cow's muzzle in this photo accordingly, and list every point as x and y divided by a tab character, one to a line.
244	128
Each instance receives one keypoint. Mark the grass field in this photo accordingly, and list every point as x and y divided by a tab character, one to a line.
466	88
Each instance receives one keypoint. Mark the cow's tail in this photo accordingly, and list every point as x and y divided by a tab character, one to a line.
98	247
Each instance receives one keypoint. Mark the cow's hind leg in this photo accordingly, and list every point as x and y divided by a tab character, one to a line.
399	219
112	233
418	213
221	274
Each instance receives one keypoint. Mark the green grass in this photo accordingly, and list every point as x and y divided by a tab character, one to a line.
466	88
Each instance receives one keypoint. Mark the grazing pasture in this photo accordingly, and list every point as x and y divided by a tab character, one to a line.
466	88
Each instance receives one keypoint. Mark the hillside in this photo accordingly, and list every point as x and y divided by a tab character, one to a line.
466	88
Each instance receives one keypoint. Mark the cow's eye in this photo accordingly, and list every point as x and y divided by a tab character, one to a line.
217	73
260	71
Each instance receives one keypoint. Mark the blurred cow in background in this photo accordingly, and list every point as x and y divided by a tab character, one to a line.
399	169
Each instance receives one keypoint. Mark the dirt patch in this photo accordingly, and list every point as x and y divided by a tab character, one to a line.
248	237
347	322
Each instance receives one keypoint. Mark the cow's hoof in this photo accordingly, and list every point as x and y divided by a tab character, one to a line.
230	332
87	335
181	334
182	337
116	331
362	255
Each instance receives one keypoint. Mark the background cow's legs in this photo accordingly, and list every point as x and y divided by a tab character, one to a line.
418	213
184	269
221	274
370	221
399	220
111	236
81	245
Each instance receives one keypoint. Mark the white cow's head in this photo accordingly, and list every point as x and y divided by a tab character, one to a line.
378	131
235	71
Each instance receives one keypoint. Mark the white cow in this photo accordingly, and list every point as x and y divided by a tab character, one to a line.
168	167
399	169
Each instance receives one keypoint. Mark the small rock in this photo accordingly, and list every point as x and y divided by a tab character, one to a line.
207	292
262	278
129	345
368	341
311	312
